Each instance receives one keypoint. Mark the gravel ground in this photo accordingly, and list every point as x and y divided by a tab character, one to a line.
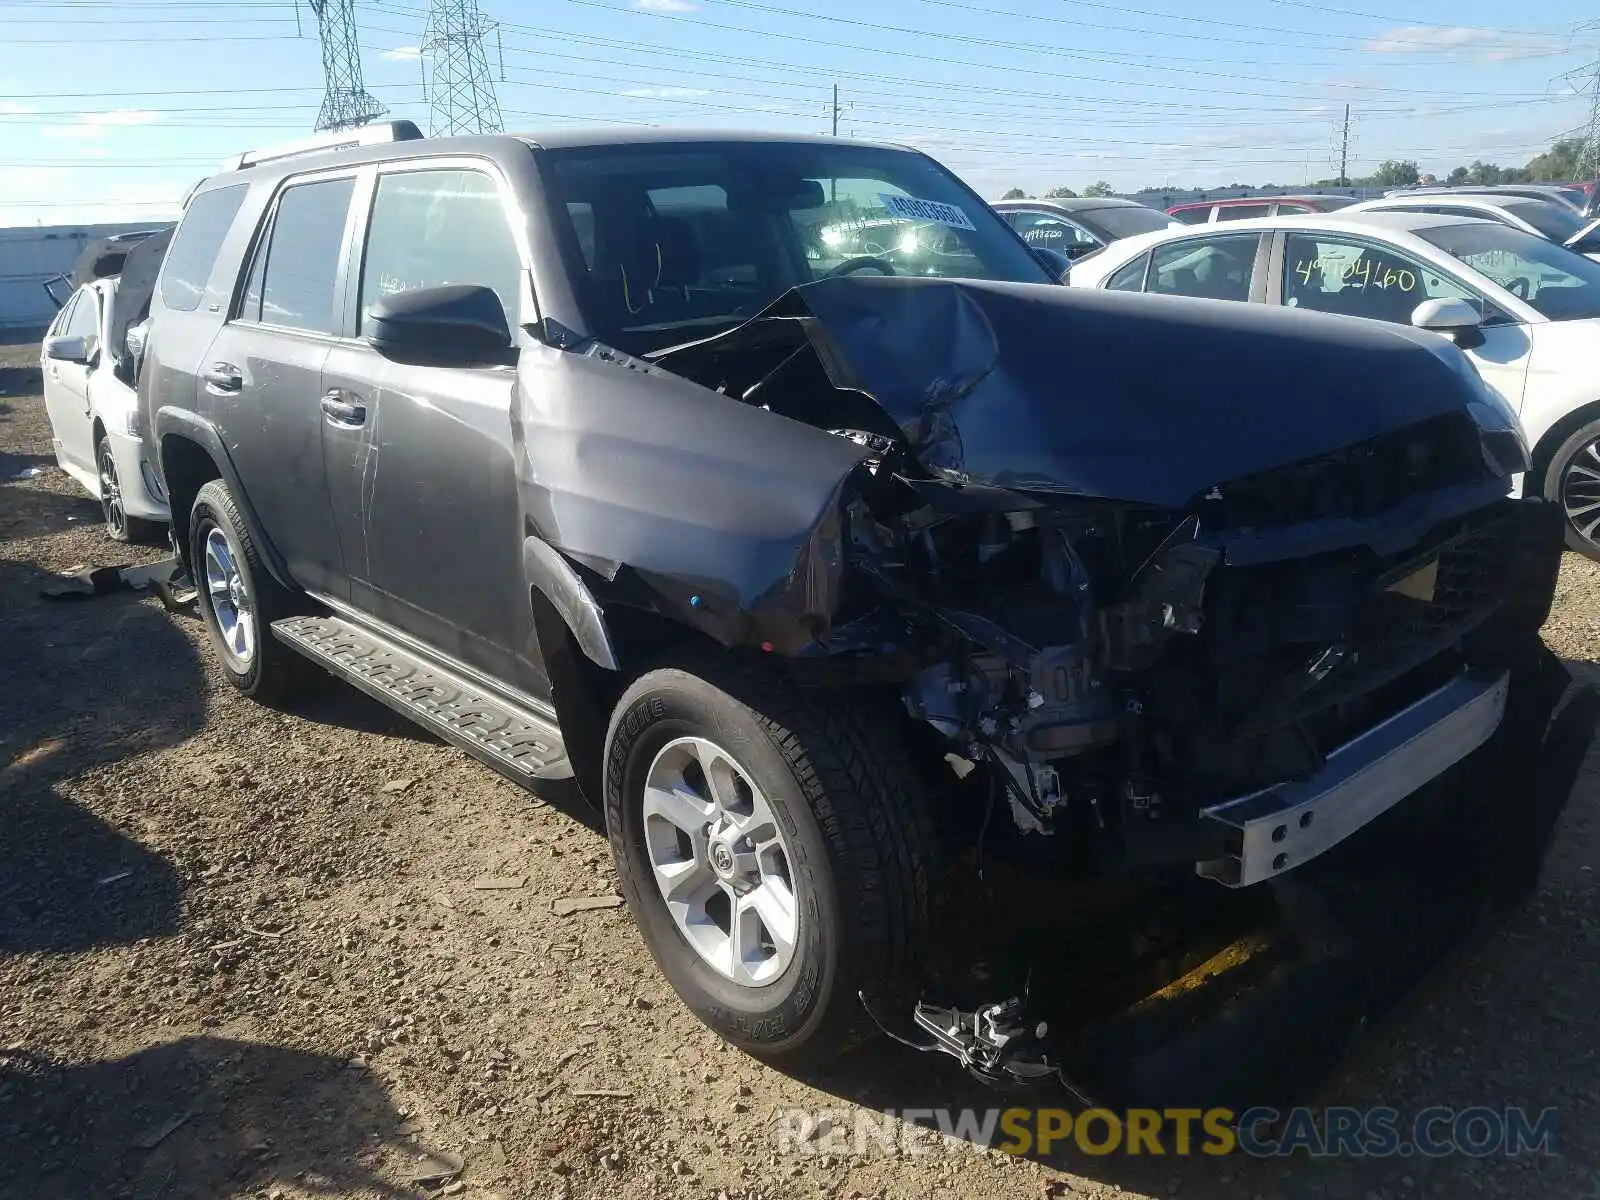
248	952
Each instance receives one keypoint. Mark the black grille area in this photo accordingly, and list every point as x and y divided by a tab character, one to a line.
1355	623
1296	657
1358	481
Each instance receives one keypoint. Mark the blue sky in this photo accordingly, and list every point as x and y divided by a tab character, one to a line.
1025	93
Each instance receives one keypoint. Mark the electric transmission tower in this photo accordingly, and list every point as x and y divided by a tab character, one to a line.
463	99
346	103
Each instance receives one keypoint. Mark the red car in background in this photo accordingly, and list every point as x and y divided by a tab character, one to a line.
1242	208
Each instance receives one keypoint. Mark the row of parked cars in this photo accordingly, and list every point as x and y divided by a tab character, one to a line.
776	491
1509	275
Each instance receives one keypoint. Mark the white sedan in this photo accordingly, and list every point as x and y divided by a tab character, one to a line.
1525	310
94	412
1543	218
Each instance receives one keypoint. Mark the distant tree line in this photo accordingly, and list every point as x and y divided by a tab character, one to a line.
1557	164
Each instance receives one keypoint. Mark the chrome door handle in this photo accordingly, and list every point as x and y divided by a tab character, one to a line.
341	408
222	378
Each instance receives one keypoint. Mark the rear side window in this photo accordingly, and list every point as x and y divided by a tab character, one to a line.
434	228
1242	212
195	245
1212	268
297	263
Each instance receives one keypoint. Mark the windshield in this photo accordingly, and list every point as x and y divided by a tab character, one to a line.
1558	284
677	241
1555	221
1125	220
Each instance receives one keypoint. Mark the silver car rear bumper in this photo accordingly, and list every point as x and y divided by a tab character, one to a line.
1280	828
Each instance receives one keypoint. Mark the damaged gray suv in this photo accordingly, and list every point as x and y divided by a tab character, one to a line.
769	488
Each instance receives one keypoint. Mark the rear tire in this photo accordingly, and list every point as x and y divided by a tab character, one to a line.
848	840
1572	480
239	599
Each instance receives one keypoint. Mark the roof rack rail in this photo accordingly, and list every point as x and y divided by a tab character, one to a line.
343	139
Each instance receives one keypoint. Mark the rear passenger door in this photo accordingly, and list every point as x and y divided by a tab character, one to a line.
262	380
426	502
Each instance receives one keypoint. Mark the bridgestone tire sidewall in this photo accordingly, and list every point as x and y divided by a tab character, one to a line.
780	1016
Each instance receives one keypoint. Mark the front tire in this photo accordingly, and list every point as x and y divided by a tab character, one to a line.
120	527
1572	480
239	599
775	852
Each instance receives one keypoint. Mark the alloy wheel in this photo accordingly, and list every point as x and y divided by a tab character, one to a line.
1580	491
111	503
720	861
230	599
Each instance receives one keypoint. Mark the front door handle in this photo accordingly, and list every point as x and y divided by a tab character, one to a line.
341	408
222	379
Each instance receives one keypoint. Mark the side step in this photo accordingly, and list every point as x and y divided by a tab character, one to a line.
510	738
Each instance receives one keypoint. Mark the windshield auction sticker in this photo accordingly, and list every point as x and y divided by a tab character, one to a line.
912	209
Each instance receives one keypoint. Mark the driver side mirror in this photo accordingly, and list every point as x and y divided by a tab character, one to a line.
1456	319
1057	263
460	325
69	349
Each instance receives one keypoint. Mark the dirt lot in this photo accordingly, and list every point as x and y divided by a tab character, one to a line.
249	952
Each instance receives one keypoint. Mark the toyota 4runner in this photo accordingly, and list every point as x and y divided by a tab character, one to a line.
616	457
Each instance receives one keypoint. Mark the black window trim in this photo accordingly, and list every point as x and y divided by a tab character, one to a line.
356	249
1280	257
361	179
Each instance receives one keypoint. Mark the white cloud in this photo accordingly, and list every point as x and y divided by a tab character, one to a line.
403	54
11	109
123	116
665	5
666	93
1467	41
92	125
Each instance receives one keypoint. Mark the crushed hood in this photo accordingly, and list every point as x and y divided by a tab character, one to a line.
1137	398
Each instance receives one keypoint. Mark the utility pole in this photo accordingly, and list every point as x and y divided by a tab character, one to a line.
836	110
345	102
1344	150
463	99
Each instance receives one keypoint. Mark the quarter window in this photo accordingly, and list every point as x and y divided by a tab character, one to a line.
188	261
1360	279
1130	278
1214	268
435	228
297	264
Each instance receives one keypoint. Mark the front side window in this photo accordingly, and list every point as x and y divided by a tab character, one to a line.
1559	284
194	247
85	319
297	263
1361	279
1213	268
1127	220
436	228
674	242
1192	216
1051	231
